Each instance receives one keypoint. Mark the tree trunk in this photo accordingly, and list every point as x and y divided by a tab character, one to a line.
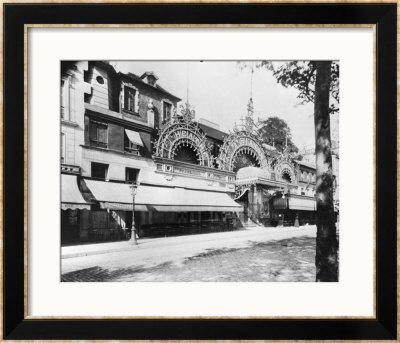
326	260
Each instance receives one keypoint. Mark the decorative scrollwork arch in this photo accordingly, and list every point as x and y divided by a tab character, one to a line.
283	165
179	133
241	142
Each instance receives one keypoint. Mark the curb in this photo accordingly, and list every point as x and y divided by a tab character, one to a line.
97	252
107	251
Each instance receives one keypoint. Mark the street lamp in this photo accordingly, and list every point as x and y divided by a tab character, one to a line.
133	187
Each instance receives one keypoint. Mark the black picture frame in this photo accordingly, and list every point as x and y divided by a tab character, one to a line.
16	326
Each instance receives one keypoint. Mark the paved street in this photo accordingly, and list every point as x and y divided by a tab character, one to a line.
251	255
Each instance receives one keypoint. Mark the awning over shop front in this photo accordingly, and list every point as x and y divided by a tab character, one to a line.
134	137
302	203
71	197
117	196
118	206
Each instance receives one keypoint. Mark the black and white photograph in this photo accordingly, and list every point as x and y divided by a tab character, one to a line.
199	171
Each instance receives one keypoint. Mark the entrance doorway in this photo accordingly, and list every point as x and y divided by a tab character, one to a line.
69	226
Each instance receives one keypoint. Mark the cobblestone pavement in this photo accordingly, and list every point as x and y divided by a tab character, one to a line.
289	260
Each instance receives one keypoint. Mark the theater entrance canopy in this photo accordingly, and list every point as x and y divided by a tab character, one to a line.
254	175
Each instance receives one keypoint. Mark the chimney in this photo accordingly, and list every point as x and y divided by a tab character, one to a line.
150	78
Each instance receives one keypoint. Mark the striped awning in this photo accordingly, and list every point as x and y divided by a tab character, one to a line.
117	196
71	197
134	137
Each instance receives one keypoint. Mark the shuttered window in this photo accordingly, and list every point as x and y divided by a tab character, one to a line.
98	134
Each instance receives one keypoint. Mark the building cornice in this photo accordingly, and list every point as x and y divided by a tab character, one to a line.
118	152
116	118
193	166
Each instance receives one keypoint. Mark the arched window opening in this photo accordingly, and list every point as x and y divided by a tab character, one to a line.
186	154
286	177
245	160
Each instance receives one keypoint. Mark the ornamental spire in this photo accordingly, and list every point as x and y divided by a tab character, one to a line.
250	108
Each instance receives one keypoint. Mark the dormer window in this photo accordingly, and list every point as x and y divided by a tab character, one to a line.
129	99
151	80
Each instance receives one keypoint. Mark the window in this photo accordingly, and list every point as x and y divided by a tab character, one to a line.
131	174
151	80
129	96
167	109
100	80
62	152
98	134
130	147
99	170
64	101
286	177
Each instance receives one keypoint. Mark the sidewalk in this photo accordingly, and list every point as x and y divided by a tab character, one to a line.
250	233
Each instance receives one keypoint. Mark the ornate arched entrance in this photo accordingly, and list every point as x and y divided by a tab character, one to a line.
184	141
284	168
242	149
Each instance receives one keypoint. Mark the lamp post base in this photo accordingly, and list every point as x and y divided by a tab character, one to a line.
133	240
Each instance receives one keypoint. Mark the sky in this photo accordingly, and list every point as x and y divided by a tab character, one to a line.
219	92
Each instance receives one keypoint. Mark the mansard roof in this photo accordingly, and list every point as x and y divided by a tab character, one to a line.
213	133
306	164
132	76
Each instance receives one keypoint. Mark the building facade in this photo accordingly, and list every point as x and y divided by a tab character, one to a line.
121	128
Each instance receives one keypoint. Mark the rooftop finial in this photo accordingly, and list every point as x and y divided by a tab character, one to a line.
250	106
251	79
187	82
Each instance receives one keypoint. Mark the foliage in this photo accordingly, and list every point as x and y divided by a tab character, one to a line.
274	131
301	76
317	82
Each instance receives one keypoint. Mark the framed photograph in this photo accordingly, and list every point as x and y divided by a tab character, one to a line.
199	171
